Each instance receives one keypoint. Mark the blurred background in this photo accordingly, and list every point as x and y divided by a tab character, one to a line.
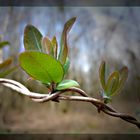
99	33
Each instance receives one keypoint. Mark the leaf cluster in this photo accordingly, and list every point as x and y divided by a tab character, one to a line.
112	84
41	59
43	62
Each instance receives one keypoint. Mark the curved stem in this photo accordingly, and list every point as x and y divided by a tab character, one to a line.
99	104
125	117
105	108
57	96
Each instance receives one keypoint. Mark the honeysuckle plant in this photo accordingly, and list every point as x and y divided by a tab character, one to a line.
42	61
112	84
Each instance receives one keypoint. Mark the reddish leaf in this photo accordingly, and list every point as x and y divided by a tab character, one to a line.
63	44
47	46
55	46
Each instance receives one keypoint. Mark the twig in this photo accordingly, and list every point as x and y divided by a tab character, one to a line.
37	97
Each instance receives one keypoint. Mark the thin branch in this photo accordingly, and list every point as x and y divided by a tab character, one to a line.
57	96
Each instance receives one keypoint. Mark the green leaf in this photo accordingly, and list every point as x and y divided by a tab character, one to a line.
3	44
66	65
123	77
67	84
112	83
32	38
55	46
102	71
63	44
42	67
115	85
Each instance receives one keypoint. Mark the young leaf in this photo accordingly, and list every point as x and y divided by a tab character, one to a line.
42	67
66	65
63	44
115	85
67	84
55	46
123	78
102	74
47	46
32	38
3	44
112	83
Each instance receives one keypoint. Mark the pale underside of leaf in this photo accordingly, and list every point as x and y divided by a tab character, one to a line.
67	84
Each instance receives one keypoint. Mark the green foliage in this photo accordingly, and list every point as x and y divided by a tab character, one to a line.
42	67
3	44
114	83
102	71
66	65
67	84
32	38
122	79
42	61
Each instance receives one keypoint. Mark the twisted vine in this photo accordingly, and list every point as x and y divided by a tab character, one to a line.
58	95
